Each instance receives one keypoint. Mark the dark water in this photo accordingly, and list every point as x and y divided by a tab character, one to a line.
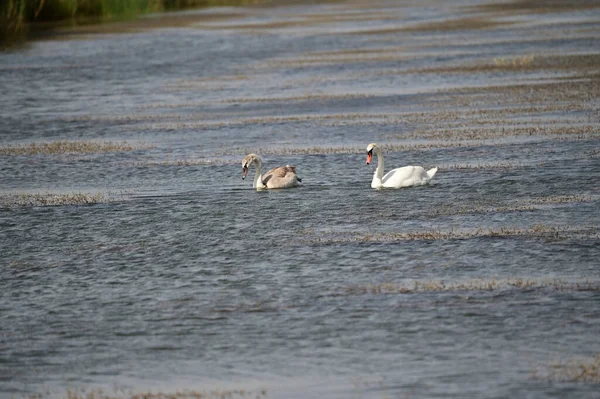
189	279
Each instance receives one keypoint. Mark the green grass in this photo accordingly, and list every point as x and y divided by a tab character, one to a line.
17	15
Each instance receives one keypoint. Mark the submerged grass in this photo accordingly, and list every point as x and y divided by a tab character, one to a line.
585	62
576	93
526	205
582	370
470	210
82	393
559	199
50	199
490	132
186	162
359	149
64	147
448	25
333	60
470	285
519	61
535	231
538	6
480	166
292	20
278	99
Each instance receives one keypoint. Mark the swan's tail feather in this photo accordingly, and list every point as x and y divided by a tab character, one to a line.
431	172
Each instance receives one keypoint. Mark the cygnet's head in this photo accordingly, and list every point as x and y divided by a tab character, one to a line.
246	162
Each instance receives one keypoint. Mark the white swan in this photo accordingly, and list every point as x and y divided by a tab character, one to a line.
281	177
406	176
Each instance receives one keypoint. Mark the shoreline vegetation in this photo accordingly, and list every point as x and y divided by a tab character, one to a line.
19	19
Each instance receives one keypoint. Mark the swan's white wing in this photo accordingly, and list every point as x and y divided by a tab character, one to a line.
405	177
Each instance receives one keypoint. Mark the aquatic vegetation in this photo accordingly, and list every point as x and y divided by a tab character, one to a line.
535	231
121	119
64	147
307	97
572	93
488	132
168	126
480	116
83	393
559	199
250	100
493	284
590	155
403	54
214	394
537	6
332	60
582	370
50	199
187	162
292	20
470	210
479	166
583	63
212	83
448	25
356	51
523	205
321	150
17	15
519	61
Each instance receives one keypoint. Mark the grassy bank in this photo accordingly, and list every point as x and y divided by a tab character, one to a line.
18	16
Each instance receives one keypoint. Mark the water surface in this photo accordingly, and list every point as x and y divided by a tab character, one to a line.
187	279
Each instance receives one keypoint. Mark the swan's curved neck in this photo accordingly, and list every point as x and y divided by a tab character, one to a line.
257	183
379	171
378	175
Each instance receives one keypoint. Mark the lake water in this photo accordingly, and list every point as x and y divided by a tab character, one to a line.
185	278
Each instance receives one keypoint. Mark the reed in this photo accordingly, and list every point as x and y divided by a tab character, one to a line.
17	15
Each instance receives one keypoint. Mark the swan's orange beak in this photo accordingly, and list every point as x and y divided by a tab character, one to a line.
244	172
369	157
